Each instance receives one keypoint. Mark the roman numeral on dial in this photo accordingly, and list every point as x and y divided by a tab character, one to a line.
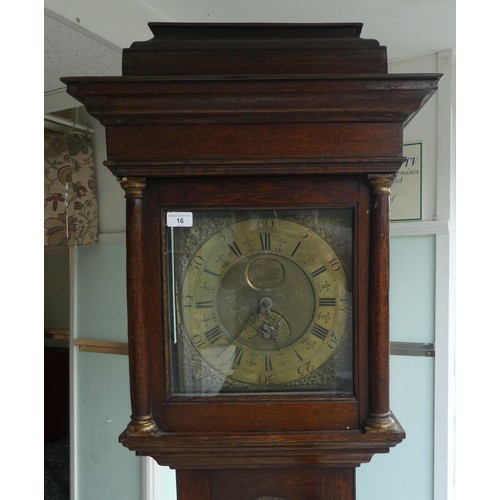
213	334
269	365
319	331
296	248
265	241
325	302
298	355
235	249
212	273
205	304
318	271
236	357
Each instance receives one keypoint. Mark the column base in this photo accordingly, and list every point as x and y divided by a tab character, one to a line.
380	422
140	426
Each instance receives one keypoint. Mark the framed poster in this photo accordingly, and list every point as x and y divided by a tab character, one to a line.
406	191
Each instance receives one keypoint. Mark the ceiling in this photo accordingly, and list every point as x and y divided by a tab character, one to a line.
85	38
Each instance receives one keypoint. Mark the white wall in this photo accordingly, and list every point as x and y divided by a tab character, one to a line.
407	28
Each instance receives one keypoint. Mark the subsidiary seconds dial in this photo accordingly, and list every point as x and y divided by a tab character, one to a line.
265	301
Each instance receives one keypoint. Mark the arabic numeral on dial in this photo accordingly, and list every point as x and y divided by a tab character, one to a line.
305	368
332	342
266	379
197	341
197	263
335	265
187	301
265	224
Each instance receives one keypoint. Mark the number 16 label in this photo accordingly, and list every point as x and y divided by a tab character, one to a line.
179	219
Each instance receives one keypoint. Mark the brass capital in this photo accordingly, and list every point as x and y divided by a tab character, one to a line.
381	183
133	186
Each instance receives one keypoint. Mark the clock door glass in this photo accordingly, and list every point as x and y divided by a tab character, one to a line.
259	301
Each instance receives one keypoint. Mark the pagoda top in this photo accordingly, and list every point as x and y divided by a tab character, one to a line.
208	49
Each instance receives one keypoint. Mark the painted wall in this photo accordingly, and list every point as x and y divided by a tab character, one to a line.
104	469
407	471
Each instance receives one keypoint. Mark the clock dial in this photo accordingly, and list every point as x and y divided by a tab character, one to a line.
264	303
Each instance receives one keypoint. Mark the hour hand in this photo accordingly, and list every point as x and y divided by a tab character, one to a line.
256	323
266	323
265	305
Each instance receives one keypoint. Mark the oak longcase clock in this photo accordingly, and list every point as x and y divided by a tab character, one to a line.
257	161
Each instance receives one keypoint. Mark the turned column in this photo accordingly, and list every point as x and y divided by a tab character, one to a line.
379	416
140	383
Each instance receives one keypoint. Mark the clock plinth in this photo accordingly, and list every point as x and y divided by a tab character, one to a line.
257	161
275	484
295	466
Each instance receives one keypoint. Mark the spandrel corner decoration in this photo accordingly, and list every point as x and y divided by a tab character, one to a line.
70	189
257	162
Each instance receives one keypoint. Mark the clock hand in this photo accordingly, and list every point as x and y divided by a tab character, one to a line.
266	323
266	303
275	326
250	329
269	331
256	325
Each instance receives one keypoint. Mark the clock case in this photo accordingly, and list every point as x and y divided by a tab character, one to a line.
257	116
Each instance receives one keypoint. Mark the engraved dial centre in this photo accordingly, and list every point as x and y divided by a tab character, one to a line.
265	273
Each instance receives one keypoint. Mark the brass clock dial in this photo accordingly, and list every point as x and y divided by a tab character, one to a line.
264	302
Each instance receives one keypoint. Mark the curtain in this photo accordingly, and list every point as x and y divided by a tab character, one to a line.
70	190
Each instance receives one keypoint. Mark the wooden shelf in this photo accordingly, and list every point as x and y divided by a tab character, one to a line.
102	346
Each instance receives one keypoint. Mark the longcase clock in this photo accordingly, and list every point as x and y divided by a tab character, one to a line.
257	161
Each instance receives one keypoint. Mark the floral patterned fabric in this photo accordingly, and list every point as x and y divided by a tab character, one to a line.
70	190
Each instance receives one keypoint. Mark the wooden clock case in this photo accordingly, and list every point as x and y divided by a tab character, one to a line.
257	116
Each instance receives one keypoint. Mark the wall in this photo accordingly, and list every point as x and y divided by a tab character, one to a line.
101	405
104	469
407	471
